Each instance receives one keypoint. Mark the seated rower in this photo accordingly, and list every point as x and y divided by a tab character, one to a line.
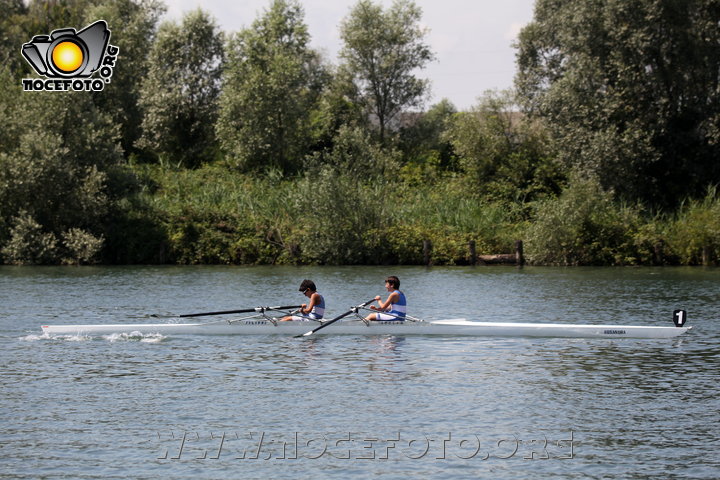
314	310
395	305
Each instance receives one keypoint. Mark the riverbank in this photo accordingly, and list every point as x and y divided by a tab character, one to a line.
214	216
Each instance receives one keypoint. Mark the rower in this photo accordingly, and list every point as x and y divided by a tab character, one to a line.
395	305
314	310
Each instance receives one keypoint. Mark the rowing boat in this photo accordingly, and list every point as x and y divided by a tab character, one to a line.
459	327
262	323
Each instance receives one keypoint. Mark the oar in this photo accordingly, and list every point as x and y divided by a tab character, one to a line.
327	324
406	317
244	310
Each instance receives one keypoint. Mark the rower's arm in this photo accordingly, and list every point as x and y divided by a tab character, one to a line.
314	300
392	298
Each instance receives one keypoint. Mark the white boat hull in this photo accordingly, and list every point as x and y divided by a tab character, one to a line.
459	327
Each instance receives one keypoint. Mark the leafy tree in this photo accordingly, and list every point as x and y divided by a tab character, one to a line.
270	88
179	94
12	34
20	22
54	172
582	226
10	106
423	138
504	154
382	51
630	89
336	109
133	24
355	154
343	195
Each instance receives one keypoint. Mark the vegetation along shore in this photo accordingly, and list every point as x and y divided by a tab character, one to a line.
250	147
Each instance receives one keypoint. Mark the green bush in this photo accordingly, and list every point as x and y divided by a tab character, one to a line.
650	242
446	209
338	210
333	215
137	236
583	226
694	235
29	244
81	247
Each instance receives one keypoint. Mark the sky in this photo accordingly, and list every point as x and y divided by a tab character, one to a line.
472	39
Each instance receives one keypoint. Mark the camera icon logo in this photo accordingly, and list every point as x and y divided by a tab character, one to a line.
68	59
66	53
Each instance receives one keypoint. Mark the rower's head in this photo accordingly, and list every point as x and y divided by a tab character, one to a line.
393	281
307	285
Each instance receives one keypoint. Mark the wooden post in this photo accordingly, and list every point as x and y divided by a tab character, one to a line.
473	252
706	255
658	257
519	257
427	247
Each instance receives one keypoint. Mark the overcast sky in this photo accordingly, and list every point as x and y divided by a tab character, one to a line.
472	39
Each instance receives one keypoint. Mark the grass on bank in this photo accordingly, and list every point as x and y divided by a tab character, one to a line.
214	215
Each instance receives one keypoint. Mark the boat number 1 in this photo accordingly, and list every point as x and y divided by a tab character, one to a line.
679	317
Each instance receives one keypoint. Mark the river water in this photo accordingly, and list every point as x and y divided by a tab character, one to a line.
359	407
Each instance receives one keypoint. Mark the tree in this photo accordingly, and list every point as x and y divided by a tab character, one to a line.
346	187
57	157
179	95
12	35
270	88
133	25
382	50
19	23
582	226
504	154
336	108
630	90
423	138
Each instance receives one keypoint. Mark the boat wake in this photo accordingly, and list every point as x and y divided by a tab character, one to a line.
135	337
114	337
47	336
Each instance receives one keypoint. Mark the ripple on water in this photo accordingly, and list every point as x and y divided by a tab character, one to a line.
120	405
